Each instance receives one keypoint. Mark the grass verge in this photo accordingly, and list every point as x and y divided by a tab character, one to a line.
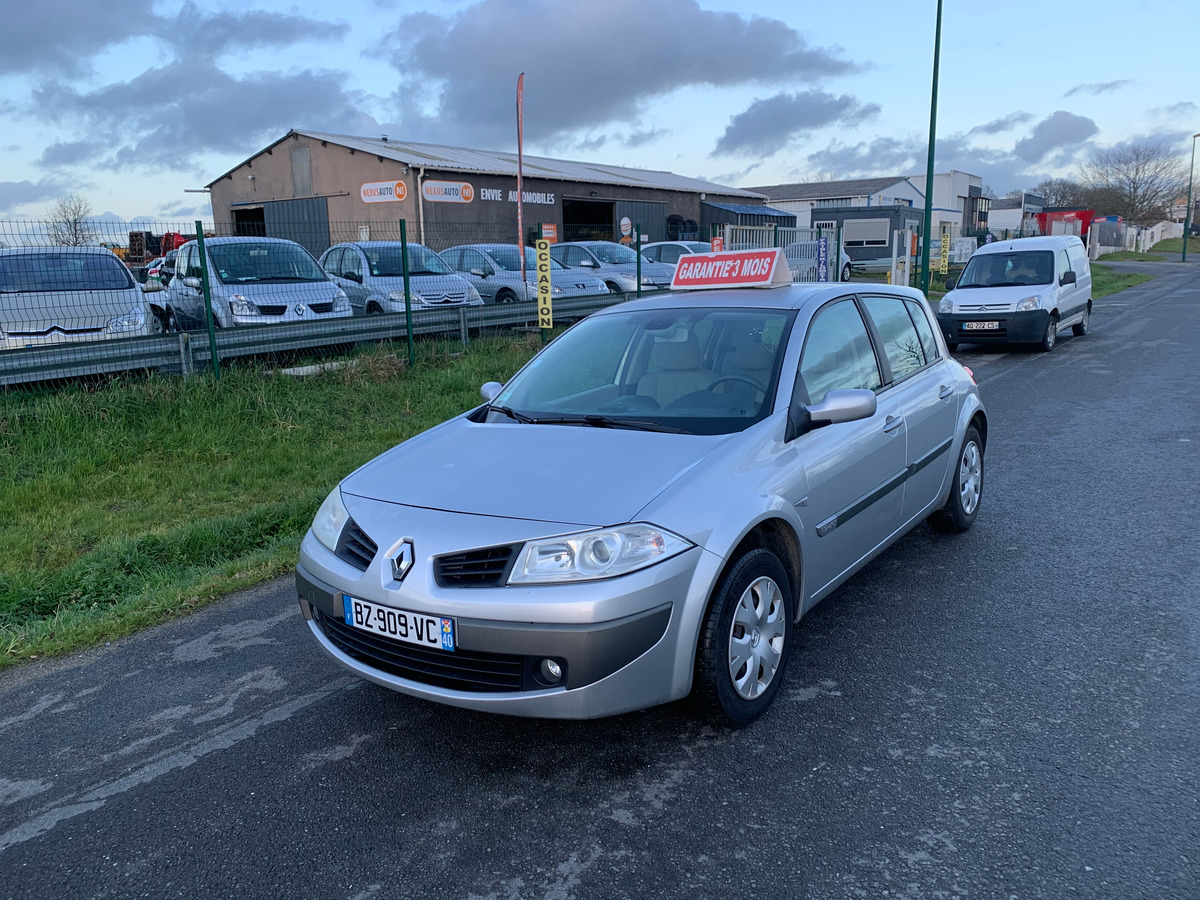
1175	245
1131	256
130	502
1107	281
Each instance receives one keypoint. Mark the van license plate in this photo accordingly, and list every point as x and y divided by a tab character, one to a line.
422	629
980	326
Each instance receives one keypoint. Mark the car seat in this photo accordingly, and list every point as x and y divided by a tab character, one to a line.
676	371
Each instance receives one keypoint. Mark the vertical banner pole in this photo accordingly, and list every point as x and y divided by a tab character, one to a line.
212	326
520	181
637	238
545	298
412	350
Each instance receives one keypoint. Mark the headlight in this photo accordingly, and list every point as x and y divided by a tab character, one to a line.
946	305
473	295
330	519
341	303
555	290
240	306
134	320
415	296
1027	303
590	555
646	279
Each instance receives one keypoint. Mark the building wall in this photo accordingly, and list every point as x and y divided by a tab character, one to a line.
950	192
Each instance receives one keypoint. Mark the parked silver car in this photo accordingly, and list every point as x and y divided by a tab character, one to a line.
495	270
372	275
700	469
253	281
801	257
49	295
669	251
615	264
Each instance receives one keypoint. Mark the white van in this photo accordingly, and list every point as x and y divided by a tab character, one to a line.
1020	291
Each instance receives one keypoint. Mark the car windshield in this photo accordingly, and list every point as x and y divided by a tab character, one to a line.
239	262
49	271
696	371
1025	267
387	262
615	254
508	259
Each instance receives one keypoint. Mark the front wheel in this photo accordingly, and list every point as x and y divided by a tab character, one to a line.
966	492
506	296
1081	328
744	641
1050	338
613	287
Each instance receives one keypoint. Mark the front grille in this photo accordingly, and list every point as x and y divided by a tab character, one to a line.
321	307
475	568
271	309
355	547
984	307
462	670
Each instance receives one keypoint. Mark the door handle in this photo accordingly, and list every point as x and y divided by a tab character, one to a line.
946	392
892	423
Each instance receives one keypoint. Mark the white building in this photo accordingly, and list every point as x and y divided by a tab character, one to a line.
957	199
807	199
1015	214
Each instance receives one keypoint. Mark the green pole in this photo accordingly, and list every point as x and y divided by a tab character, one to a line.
412	350
1187	213
212	328
637	245
927	228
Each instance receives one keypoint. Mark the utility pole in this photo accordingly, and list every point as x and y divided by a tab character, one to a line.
928	227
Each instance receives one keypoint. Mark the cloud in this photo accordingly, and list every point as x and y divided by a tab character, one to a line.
184	210
19	193
1102	87
1183	108
67	154
62	38
211	35
641	138
1058	130
134	124
1006	123
593	64
767	126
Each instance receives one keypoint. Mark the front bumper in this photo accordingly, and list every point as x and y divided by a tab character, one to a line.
1011	327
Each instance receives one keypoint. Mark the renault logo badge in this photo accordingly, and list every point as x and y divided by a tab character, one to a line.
402	560
299	308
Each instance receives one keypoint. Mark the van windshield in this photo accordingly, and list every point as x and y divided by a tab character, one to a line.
240	262
1025	267
55	271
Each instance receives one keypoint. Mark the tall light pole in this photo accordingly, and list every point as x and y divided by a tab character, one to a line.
937	52
1187	213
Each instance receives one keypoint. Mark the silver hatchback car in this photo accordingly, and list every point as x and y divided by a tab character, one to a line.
372	275
613	263
696	471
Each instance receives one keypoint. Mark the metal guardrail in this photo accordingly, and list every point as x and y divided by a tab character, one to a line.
185	353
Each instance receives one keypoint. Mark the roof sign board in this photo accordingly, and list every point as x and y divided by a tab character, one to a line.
740	268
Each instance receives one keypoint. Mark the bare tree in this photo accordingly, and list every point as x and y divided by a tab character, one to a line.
1061	192
1014	194
1137	181
70	222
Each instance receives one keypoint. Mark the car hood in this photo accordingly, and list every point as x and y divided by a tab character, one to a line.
566	474
997	299
282	291
40	311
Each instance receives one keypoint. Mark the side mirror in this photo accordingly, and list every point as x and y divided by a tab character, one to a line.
490	391
192	282
950	283
589	264
843	406
1067	278
479	273
152	286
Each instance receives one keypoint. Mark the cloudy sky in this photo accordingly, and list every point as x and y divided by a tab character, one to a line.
129	102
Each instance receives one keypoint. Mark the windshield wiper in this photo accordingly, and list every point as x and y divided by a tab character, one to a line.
422	272
511	413
597	421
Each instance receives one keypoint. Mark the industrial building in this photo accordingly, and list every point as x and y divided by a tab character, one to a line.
318	189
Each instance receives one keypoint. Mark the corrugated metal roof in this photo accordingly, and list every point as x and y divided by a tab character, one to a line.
488	162
743	209
827	190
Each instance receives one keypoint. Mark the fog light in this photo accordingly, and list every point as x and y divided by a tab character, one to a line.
551	671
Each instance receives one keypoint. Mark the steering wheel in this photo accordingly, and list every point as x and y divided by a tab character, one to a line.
745	379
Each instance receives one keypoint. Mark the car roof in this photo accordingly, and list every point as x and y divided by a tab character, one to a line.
1041	242
788	296
244	239
366	245
41	251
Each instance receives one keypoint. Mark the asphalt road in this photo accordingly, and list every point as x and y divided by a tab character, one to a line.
1010	713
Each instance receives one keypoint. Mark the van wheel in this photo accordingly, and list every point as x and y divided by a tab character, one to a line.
744	641
966	492
1081	328
1050	338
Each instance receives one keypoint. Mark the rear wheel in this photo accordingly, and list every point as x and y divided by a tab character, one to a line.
962	506
744	641
1081	328
1050	338
846	272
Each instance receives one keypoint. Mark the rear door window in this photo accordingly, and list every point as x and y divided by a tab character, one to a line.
901	344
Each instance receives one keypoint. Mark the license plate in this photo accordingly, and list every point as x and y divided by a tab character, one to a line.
980	326
421	629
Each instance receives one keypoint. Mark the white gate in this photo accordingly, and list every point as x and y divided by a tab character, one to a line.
799	245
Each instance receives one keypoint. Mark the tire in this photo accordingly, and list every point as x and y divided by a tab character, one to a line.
613	287
738	672
952	346
506	296
846	272
966	491
374	309
1081	328
1050	338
